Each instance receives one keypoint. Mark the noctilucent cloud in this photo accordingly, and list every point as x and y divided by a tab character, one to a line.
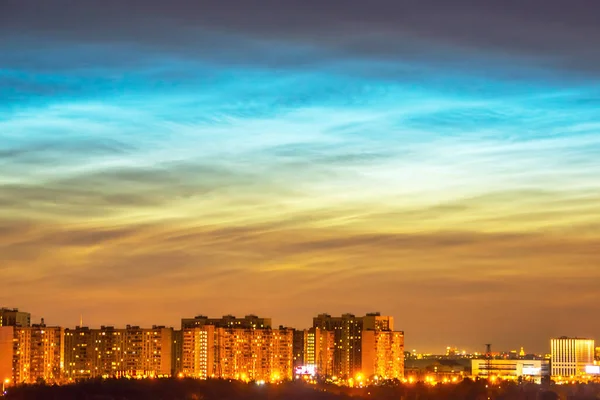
436	161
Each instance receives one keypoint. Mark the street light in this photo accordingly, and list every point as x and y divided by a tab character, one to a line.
4	383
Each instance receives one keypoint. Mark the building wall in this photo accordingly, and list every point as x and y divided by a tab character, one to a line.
383	354
14	317
228	321
147	351
571	355
347	331
199	352
510	369
254	354
38	354
6	352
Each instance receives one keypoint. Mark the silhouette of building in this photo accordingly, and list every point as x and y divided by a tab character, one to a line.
14	317
227	321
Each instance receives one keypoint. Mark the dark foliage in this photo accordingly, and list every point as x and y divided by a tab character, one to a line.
188	389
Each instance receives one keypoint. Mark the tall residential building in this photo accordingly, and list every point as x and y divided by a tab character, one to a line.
347	336
349	345
254	354
14	317
177	353
80	354
198	354
147	352
38	354
6	353
571	355
93	353
383	354
109	352
228	321
314	347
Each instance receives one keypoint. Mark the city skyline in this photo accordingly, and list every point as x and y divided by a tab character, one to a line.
190	321
437	162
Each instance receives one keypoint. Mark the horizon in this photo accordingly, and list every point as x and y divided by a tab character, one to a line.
436	161
469	348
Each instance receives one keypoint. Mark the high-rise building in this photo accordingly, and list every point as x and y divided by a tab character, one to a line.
348	345
347	336
177	353
571	355
383	354
93	353
254	354
14	317
314	348
109	352
198	355
80	354
38	354
147	352
228	321
597	353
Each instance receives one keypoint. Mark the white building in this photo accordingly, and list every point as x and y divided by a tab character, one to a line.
510	369
570	356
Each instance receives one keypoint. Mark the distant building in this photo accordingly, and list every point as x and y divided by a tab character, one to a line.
177	353
362	346
510	369
347	331
14	317
109	352
314	348
383	354
38	354
147	352
597	353
227	321
570	356
198	356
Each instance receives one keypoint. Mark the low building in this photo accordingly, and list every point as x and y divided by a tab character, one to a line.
510	369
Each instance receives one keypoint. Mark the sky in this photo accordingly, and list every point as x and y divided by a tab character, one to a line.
435	161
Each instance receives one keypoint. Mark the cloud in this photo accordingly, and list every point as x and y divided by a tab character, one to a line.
537	33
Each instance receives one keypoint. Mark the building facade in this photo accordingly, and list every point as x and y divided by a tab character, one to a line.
570	356
38	354
511	369
227	321
109	352
6	353
14	317
198	354
383	354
